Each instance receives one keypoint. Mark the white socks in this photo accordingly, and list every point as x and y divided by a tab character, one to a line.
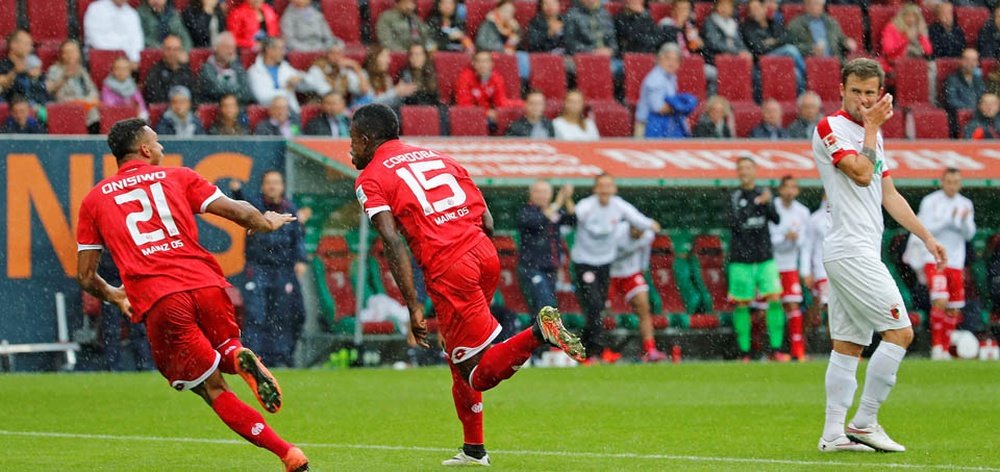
879	380
841	382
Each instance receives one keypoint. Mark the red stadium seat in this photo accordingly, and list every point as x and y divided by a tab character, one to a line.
971	19
344	19
389	286
746	115
375	10
929	123
506	116
707	250
279	6
553	108
735	78
548	75
48	53
789	111
661	267
420	120
945	67
593	72
148	57
256	114
506	66
337	259
308	112
448	65
302	60
247	58
691	77
8	21
777	78
963	117
823	77
851	23
912	83
198	56
524	11
67	118
704	321
659	11
397	62
790	10
156	111
467	121
113	114
100	64
4	109
206	113
702	10
988	66
475	14
895	128
424	8
613	120
510	286
613	8
878	17
47	21
637	67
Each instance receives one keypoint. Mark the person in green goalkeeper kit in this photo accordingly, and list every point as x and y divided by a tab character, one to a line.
751	260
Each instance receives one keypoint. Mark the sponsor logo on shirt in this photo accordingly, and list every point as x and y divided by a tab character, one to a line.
360	193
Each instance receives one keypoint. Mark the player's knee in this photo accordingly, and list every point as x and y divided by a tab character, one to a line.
940	303
212	387
900	337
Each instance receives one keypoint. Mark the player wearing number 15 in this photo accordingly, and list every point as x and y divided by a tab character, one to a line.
432	200
144	215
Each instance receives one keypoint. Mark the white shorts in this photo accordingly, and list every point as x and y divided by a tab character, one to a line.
864	299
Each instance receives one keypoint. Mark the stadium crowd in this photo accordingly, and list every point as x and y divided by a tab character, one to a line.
486	67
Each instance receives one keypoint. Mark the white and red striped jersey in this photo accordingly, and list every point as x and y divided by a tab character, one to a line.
952	222
819	226
788	253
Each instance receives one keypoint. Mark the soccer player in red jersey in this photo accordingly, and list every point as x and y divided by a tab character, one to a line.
144	215
431	199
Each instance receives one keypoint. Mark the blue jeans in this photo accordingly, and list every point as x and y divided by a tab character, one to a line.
274	313
539	287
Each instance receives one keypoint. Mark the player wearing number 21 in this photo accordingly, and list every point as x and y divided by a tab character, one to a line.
144	215
431	199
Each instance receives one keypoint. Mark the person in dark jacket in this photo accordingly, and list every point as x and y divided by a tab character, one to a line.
963	88
21	71
159	20
636	30
180	120
447	29
545	30
989	37
590	29
947	38
19	119
204	20
332	122
764	36
714	122
533	124
983	124
171	70
274	263
540	252
770	123
279	121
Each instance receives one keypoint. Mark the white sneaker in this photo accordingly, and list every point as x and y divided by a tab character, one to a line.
989	352
842	444
874	436
462	459
939	353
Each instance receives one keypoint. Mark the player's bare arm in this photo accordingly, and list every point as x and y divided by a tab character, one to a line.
861	167
900	210
244	214
94	284
402	272
488	222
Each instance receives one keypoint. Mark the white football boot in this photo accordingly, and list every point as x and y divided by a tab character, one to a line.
842	444
939	353
874	436
463	459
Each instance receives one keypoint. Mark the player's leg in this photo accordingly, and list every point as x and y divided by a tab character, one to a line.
769	285
588	291
937	286
791	297
469	406
741	291
254	311
608	355
956	301
637	294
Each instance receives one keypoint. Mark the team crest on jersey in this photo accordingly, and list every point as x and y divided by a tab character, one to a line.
831	143
360	192
894	311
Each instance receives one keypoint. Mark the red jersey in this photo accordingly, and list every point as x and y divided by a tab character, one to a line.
436	204
144	215
469	90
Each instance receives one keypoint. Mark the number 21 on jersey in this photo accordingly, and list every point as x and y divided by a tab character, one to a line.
146	214
416	179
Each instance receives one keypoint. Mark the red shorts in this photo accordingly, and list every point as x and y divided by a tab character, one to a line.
185	329
462	297
948	284
628	287
791	287
821	291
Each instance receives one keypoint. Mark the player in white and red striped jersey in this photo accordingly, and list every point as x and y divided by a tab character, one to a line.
812	271
789	239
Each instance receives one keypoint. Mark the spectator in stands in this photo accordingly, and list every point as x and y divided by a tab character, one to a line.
114	25
681	28
947	38
420	71
573	124
539	255
120	89
180	120
637	32
400	27
989	37
905	37
338	73
222	74
447	29
68	81
171	70
963	87
714	122
500	31
722	33
984	123
251	23
305	28
229	121
770	122
655	113
382	88
545	30
333	121
21	71
533	124
590	29
159	20
272	76
204	20
810	105
479	85
818	34
20	119
766	37
279	120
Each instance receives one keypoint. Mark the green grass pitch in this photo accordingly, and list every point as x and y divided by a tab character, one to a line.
693	416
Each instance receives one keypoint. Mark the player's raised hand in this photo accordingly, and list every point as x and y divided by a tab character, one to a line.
277	220
418	329
879	113
940	255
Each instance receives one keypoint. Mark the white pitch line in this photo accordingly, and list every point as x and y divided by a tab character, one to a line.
581	454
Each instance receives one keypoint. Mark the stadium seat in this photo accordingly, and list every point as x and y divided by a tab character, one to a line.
475	14
4	108
302	60
878	17
596	69
397	62
48	53
661	267
420	120
113	114
553	108
703	321
702	10
510	286
659	11
467	121
746	115
448	65
988	66
691	77
945	67
47	21
613	120
777	79
790	10
278	5
337	259
375	10
548	75
344	19
929	123
912	83
197	58
823	77
735	77
707	250
148	57
524	11
789	111
255	114
971	19
895	128
613	8
308	112
206	113
384	275
851	23
637	67
963	117
506	116
506	65
66	118
8	21
156	111
247	58
100	64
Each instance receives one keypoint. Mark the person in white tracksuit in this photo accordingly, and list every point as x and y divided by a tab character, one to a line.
628	281
789	238
812	271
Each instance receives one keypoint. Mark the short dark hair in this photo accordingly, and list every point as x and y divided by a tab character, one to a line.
952	170
229	95
272	171
863	68
377	121
603	175
746	158
785	178
123	137
18	99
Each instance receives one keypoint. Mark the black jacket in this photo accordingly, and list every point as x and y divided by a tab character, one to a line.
537	37
989	41
522	128
762	40
946	43
320	126
199	25
707	129
637	32
161	78
751	241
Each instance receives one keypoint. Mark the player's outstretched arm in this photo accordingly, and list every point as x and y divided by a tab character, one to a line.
402	272
92	282
900	210
244	214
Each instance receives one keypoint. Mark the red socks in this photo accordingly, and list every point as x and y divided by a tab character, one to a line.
469	406
228	352
648	345
248	422
798	342
939	329
500	361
